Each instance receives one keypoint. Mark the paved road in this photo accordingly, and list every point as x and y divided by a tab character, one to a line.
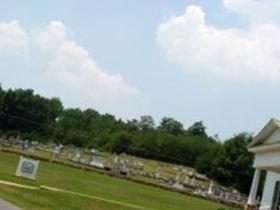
4	205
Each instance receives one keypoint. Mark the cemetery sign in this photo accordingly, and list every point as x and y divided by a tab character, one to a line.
27	168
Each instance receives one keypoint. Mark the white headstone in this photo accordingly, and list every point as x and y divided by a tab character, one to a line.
31	149
238	197
27	168
193	182
177	178
178	186
116	159
186	181
157	174
210	190
97	161
221	194
77	157
58	149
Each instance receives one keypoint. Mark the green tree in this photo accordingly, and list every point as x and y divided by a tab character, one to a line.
170	125
132	125
146	123
28	112
91	117
71	119
233	163
2	93
121	143
197	129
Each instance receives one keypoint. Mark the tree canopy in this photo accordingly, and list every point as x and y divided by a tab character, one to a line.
197	129
170	125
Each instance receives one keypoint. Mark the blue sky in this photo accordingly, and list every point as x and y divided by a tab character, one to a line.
215	61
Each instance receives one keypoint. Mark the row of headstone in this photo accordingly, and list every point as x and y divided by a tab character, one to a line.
221	193
178	181
124	164
57	151
21	145
77	156
97	161
91	158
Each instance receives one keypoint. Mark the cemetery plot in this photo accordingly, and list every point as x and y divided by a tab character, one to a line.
89	183
179	178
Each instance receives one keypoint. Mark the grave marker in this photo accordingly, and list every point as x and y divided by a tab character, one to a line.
193	182
210	190
97	161
186	181
77	157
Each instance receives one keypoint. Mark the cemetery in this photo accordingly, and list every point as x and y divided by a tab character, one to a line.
139	105
88	172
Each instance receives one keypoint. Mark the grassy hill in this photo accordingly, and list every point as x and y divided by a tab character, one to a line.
107	190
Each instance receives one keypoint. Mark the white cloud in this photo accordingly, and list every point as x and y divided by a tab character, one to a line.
73	67
251	52
53	36
58	66
13	39
256	10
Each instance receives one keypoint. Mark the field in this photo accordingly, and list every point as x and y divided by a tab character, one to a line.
108	191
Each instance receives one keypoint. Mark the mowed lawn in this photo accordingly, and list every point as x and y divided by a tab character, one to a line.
102	186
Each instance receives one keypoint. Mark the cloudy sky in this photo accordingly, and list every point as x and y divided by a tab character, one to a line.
216	61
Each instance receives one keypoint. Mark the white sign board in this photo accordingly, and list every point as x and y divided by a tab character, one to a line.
27	168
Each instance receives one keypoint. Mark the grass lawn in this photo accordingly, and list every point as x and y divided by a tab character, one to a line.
58	176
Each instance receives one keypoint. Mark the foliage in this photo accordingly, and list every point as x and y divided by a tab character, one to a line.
170	125
231	164
197	129
27	112
146	123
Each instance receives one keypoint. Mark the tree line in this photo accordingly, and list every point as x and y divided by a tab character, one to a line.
44	119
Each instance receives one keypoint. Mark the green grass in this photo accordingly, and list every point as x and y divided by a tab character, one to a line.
54	175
